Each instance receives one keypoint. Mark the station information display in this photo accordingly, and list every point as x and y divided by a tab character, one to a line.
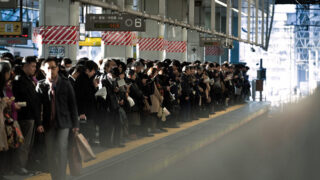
210	41
8	28
114	22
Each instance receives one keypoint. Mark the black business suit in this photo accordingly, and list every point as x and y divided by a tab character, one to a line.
86	102
24	90
57	131
112	132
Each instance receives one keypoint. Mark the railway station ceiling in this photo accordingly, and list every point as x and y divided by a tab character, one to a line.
297	2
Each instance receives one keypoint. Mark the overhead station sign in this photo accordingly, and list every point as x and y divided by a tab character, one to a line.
210	41
114	22
9	28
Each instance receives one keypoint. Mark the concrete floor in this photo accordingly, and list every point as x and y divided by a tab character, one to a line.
281	146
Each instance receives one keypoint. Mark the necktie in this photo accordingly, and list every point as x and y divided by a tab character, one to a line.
53	108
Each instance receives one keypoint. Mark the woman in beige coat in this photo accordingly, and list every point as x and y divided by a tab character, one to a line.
156	101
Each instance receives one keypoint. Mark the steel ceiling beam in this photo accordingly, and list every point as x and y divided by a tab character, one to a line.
165	20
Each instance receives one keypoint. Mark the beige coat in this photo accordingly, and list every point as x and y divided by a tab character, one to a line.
156	100
3	134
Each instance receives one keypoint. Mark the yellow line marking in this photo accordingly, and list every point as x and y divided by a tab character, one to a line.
137	143
167	161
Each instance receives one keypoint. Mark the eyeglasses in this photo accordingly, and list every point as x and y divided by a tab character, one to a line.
52	68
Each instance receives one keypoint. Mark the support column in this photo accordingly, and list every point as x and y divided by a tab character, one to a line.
177	37
257	18
155	31
185	39
59	13
191	12
239	17
228	18
213	15
249	20
262	28
116	50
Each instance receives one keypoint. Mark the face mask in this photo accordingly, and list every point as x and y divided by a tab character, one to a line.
68	69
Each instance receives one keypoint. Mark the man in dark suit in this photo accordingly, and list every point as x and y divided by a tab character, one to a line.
85	88
75	73
59	116
24	90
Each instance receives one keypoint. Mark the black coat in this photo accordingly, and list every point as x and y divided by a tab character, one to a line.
24	90
136	94
112	98
185	86
85	95
65	104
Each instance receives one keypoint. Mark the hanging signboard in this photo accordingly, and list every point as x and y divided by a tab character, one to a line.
11	41
9	28
57	51
114	22
8	4
210	41
93	41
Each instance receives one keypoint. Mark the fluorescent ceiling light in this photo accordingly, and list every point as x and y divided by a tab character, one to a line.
221	3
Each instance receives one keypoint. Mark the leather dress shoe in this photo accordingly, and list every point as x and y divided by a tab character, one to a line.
22	171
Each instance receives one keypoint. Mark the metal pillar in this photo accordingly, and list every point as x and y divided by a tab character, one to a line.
119	51
57	12
257	16
185	39
154	29
228	18
249	20
213	15
191	12
262	28
239	17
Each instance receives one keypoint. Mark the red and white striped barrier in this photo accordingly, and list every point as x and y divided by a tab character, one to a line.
213	51
118	38
176	46
56	34
151	44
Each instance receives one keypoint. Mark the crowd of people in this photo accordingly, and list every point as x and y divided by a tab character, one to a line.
109	102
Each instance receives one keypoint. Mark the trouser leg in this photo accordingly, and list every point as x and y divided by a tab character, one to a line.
57	152
28	131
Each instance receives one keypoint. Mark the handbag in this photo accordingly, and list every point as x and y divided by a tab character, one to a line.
84	148
237	91
131	101
75	162
166	112
14	135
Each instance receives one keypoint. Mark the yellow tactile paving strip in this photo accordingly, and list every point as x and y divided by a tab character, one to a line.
134	144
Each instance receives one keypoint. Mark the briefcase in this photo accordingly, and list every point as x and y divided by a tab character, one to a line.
84	148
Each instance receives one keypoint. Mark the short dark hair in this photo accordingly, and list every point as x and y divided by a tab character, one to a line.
77	69
50	59
7	55
67	61
91	65
29	60
115	71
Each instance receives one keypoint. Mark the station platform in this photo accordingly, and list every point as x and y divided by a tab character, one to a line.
142	158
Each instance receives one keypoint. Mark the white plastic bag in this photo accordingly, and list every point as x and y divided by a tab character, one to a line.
131	101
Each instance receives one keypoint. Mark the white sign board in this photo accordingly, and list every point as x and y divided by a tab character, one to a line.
57	51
